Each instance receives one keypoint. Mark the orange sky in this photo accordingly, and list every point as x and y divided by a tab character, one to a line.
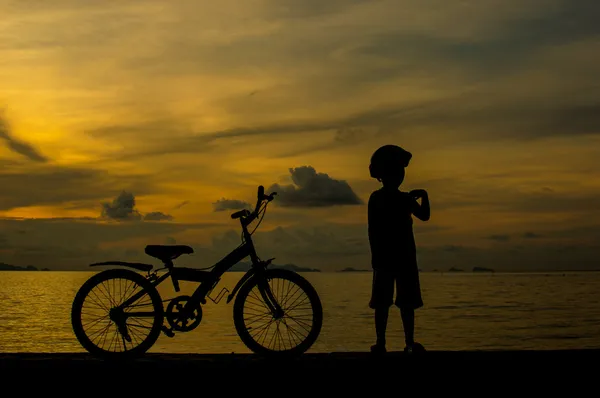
181	105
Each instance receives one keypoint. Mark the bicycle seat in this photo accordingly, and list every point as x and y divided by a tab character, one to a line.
167	252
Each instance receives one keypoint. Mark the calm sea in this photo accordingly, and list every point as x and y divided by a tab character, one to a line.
462	311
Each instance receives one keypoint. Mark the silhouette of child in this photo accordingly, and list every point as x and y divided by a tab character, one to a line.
393	248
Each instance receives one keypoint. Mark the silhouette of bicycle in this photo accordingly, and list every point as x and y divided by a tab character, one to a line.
276	311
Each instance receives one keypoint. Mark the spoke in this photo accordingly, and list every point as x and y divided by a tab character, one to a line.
93	304
141	326
95	322
258	320
295	301
288	297
129	285
258	299
301	324
264	329
135	334
274	334
101	331
105	291
293	332
280	338
106	332
101	305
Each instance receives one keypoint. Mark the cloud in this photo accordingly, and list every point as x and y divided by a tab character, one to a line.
314	189
499	238
157	216
531	235
3	242
230	204
22	148
49	185
122	208
162	136
180	205
292	9
62	243
326	246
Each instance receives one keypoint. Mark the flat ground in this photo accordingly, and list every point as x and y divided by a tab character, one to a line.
317	374
342	361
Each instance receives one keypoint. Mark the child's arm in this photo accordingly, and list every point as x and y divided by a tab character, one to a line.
374	230
421	211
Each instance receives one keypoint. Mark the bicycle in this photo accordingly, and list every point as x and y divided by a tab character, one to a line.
184	313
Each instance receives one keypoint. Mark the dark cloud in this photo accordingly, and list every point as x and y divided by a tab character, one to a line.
162	136
539	257
230	204
346	135
17	146
157	216
498	195
549	203
168	136
342	137
293	9
531	235
504	52
473	114
63	243
180	205
3	242
499	238
122	208
329	247
52	185
325	246
314	189
453	248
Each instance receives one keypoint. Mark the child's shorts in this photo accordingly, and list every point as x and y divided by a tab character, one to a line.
408	290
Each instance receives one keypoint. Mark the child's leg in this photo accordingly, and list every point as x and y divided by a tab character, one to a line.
408	300
408	323
381	319
381	300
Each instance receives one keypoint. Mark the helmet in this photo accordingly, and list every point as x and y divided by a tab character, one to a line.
387	160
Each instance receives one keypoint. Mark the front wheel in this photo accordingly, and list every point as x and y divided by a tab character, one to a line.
107	328
292	333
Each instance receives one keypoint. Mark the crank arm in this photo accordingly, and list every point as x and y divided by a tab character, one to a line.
122	327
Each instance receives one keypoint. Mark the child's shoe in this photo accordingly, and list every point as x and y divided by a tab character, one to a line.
378	349
414	348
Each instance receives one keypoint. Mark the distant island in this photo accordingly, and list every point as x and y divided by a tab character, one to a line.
455	270
350	269
9	267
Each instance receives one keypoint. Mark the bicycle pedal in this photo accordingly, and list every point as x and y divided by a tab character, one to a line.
168	332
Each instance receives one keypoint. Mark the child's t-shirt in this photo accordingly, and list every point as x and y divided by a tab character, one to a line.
390	230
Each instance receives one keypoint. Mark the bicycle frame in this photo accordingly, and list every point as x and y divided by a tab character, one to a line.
209	279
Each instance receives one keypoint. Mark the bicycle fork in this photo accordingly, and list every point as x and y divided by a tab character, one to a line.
267	295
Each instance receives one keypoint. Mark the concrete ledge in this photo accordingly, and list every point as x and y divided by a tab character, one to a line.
341	361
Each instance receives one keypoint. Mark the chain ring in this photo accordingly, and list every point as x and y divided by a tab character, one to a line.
173	315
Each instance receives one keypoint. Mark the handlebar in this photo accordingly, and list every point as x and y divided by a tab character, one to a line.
250	216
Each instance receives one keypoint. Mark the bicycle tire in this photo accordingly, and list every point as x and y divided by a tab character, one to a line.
84	292
316	320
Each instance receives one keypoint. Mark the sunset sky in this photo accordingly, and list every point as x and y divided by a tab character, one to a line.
183	108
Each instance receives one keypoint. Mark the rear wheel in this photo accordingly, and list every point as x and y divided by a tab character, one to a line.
292	333
106	328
